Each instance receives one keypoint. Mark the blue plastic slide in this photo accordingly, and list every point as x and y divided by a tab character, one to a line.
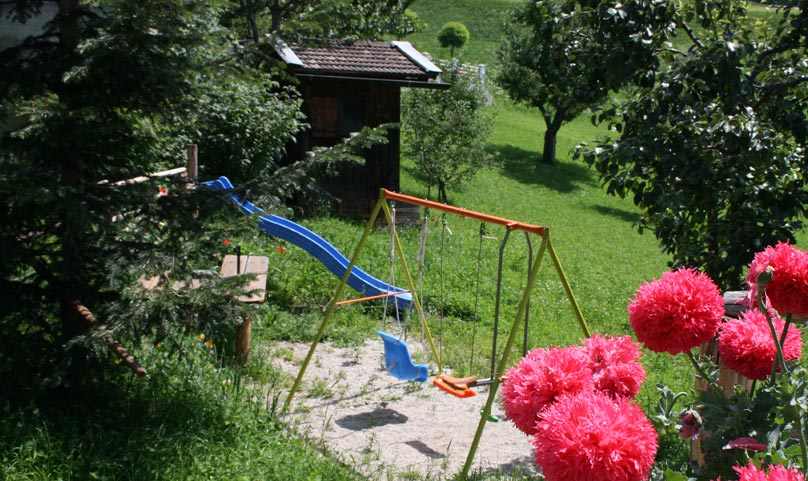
317	246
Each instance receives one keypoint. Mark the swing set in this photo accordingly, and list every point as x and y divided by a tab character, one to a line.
398	360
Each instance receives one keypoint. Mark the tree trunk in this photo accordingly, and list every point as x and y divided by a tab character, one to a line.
276	12
553	121
68	22
442	197
250	17
550	138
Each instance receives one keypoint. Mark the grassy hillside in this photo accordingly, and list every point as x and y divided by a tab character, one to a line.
603	255
483	19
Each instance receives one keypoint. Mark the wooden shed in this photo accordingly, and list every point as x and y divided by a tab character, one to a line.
347	85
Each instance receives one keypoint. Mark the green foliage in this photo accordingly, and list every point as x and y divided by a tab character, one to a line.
242	131
91	110
119	96
453	35
773	413
300	20
713	151
563	57
446	131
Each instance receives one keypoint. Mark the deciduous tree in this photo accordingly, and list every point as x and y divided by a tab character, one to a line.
714	150
445	132
565	56
453	35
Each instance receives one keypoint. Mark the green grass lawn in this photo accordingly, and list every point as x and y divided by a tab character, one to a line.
484	21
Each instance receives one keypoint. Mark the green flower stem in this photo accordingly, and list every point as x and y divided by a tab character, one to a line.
698	367
803	447
785	329
780	358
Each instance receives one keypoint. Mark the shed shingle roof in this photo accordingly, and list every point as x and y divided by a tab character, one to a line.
366	59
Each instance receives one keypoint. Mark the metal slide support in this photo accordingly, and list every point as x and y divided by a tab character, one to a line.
332	304
506	354
410	286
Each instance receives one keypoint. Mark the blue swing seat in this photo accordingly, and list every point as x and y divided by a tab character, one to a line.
398	361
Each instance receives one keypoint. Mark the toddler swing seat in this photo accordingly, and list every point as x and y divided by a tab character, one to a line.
398	361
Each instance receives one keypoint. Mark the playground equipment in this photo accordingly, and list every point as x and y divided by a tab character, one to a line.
318	247
398	361
459	387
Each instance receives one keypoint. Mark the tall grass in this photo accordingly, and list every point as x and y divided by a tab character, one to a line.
197	418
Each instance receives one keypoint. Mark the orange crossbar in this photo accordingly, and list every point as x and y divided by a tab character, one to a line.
370	298
510	224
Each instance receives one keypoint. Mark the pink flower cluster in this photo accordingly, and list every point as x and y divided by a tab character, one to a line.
678	312
684	309
576	403
788	290
592	435
776	473
746	345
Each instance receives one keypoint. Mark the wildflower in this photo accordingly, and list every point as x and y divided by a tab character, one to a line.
776	473
788	289
225	242
689	424
746	443
201	337
746	345
209	344
678	312
163	192
590	435
540	377
614	363
280	249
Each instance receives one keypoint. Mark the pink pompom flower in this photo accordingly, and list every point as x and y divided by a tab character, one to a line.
776	473
788	289
677	312
591	435
615	365
746	345
539	378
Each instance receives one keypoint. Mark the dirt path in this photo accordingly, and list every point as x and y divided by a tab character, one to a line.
390	429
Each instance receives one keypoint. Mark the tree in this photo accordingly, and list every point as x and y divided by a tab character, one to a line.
714	151
301	20
445	132
107	94
565	56
453	35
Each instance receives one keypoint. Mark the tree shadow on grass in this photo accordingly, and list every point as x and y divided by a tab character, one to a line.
525	167
628	216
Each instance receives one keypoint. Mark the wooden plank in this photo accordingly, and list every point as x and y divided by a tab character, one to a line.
154	283
734	307
249	265
733	303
